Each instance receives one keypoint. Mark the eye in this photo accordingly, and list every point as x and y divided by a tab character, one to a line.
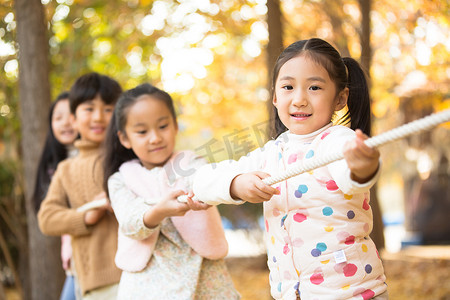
314	88
287	87
163	126
109	109
141	132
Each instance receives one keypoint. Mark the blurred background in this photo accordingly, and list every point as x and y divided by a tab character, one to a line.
215	59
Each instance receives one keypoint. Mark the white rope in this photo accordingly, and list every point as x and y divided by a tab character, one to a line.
94	204
384	138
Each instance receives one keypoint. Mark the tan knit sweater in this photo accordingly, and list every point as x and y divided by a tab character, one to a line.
76	181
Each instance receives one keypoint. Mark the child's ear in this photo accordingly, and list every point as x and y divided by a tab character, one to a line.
274	100
123	139
342	99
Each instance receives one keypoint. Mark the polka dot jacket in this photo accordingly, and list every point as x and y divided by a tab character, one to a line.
317	229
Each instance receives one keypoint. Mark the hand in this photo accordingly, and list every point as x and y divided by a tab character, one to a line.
362	160
249	187
107	206
93	216
196	205
168	207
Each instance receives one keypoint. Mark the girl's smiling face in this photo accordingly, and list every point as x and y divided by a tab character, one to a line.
62	123
150	131
305	96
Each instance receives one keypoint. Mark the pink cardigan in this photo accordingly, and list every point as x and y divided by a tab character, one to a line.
202	230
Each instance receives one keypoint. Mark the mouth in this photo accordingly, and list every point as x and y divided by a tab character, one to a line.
157	149
98	130
300	116
67	132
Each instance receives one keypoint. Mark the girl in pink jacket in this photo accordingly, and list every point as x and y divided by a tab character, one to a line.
166	249
317	224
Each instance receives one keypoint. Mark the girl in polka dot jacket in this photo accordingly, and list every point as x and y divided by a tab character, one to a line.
318	223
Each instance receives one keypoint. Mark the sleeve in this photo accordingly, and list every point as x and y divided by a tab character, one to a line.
195	163
55	217
212	182
129	209
339	170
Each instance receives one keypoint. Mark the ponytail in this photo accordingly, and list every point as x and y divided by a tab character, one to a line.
358	102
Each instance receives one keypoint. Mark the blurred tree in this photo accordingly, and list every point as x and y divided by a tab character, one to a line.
275	43
364	35
34	91
334	10
2	292
366	59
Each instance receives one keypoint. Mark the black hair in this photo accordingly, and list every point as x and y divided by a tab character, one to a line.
115	153
345	72
88	86
52	153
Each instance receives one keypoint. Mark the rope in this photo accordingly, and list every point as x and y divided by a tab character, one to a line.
376	141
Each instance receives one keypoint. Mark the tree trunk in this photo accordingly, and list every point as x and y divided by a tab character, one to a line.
366	49
366	59
275	28
274	46
46	275
335	12
2	291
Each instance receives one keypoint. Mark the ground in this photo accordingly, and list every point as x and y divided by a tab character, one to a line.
415	273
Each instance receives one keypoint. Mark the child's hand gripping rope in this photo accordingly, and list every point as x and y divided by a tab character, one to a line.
376	141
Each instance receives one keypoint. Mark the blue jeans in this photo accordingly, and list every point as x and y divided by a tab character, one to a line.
68	291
